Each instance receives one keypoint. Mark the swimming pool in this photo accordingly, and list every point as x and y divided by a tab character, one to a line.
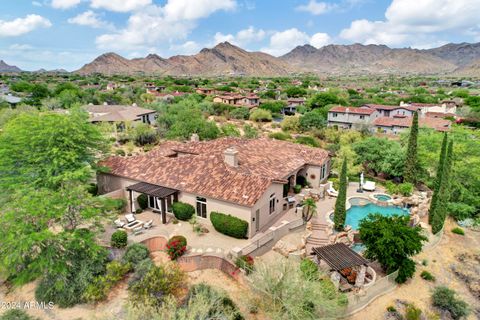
360	209
382	197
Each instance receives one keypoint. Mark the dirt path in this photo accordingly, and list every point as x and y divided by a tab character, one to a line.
440	259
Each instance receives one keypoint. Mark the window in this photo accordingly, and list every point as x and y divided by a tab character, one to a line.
335	115
323	171
201	207
362	117
272	203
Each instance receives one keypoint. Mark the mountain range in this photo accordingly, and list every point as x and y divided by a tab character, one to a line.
225	59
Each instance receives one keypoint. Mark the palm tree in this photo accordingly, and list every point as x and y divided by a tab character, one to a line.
309	209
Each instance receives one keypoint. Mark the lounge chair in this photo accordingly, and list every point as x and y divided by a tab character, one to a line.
119	223
130	218
369	186
148	224
137	230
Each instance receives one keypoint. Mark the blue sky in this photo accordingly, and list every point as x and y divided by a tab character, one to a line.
68	33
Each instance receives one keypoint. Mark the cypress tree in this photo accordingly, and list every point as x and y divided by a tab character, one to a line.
438	179
340	212
444	192
411	161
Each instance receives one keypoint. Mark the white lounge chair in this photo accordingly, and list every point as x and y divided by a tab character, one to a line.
137	230
130	218
119	223
331	191
369	186
148	224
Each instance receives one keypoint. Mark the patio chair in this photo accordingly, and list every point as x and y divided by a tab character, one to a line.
130	218
119	223
148	224
137	230
369	186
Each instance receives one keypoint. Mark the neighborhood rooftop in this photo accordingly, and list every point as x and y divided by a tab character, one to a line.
116	113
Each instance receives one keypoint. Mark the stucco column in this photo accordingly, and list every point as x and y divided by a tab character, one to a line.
164	211
132	207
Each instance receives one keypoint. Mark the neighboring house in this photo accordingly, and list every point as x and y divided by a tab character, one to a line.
12	100
349	117
247	178
445	107
120	114
389	119
396	125
205	91
250	101
292	105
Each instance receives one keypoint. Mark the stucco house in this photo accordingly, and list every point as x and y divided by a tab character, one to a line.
250	101
349	117
120	114
247	178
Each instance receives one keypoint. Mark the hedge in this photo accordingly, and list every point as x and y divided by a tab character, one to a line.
143	201
183	211
119	239
229	225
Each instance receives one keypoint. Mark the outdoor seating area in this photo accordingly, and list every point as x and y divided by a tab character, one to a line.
131	224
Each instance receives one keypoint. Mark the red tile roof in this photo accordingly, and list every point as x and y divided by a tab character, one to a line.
385	107
199	167
434	123
341	109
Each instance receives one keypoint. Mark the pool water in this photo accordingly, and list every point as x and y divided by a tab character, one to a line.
382	197
357	213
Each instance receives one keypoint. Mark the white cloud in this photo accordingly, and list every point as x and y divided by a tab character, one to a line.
176	10
408	21
65	4
320	39
120	5
37	4
152	24
21	26
242	37
188	48
90	19
316	8
20	47
284	41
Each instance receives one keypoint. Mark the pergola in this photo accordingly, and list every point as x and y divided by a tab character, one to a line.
339	256
160	197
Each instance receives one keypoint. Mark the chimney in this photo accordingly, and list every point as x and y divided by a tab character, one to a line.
231	157
194	138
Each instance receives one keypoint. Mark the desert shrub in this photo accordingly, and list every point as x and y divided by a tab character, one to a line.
280	136
143	201
413	313
405	188
290	123
391	187
141	269
427	276
176	248
135	253
391	309
183	211
240	113
301	180
119	239
445	299
180	238
250	132
99	288
16	314
309	269
297	188
307	140
158	283
221	306
144	134
120	152
229	225
229	130
245	262
458	230
92	188
117	205
261	115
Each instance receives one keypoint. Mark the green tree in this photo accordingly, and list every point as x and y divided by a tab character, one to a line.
321	100
411	161
340	212
295	92
391	241
310	209
46	149
436	197
312	120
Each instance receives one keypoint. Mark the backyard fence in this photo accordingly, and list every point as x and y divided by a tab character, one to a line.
433	239
359	300
201	262
265	242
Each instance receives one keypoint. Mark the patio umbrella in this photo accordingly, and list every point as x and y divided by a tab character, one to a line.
361	179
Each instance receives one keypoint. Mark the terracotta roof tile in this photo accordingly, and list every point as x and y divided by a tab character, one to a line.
341	109
199	167
434	123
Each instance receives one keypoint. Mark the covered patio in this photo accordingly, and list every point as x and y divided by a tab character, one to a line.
160	198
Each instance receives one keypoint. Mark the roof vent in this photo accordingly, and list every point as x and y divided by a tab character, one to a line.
231	157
